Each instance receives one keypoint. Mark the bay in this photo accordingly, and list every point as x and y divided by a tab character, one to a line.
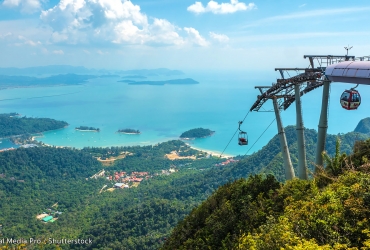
162	113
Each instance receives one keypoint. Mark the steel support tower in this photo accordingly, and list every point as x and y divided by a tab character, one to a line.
289	171
291	90
323	125
324	61
302	163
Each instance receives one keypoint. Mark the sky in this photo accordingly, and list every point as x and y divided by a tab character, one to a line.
182	34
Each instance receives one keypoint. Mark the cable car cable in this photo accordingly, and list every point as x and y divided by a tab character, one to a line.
259	137
234	134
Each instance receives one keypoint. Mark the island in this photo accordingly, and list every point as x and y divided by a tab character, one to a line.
88	129
129	131
196	133
7	81
11	124
170	82
135	76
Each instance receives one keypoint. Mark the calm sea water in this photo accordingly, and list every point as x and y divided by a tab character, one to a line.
162	113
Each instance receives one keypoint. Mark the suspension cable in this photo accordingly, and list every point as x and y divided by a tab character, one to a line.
259	137
234	134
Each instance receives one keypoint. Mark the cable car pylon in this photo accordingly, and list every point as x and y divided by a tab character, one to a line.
331	68
297	81
323	125
302	163
289	171
288	167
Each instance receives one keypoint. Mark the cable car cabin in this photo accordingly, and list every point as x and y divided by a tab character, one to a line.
243	138
350	99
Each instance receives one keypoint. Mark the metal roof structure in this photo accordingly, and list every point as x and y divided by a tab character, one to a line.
350	72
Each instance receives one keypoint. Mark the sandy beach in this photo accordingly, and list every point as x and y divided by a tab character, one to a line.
210	152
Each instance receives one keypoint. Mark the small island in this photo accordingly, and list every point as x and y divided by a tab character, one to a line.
87	129
129	131
135	76
164	82
196	133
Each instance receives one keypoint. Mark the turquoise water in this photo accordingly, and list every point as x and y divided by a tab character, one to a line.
162	113
7	144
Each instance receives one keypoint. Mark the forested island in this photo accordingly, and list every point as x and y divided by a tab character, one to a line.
196	133
129	131
86	128
134	76
28	81
173	81
11	125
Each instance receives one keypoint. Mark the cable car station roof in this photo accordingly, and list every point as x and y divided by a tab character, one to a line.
349	71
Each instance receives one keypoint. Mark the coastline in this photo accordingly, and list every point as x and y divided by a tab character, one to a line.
214	153
211	152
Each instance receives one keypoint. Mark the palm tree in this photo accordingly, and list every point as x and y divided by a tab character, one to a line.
334	166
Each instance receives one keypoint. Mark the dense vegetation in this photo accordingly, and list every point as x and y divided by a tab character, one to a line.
10	125
197	133
330	211
87	128
129	130
33	179
36	178
142	217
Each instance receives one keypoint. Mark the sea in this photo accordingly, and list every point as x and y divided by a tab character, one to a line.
162	113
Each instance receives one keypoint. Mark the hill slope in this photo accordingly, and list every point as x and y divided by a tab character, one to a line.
330	211
363	126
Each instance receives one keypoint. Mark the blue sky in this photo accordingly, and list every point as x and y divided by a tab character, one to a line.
183	34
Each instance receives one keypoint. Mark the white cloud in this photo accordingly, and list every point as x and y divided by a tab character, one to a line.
27	6
163	32
112	21
302	5
58	52
28	41
223	8
195	38
3	36
100	52
18	40
221	38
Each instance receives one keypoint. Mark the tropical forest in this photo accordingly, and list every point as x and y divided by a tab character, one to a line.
204	202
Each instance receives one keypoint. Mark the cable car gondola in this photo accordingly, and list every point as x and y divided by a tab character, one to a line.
350	99
243	136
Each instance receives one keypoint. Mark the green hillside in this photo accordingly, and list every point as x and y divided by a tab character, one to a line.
330	211
141	217
363	126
